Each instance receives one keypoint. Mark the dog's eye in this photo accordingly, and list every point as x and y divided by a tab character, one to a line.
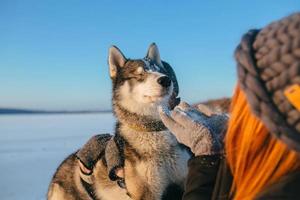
129	78
135	78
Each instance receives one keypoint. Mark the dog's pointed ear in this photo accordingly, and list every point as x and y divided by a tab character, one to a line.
153	54
116	59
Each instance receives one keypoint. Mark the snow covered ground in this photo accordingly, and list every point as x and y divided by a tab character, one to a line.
32	146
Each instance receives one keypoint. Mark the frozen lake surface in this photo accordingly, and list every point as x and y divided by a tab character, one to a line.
32	146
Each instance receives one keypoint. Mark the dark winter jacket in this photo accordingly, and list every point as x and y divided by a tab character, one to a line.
209	178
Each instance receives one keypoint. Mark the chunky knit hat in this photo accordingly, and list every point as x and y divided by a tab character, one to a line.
268	63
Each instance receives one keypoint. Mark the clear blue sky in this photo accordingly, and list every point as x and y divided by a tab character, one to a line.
53	53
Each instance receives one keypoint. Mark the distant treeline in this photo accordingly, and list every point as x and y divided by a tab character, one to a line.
28	111
221	104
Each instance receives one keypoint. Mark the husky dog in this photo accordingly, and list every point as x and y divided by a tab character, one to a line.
153	163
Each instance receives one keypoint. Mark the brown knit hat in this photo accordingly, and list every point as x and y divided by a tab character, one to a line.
268	63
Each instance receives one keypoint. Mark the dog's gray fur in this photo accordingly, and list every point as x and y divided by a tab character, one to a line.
154	162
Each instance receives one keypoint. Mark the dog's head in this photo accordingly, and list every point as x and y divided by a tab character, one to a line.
141	85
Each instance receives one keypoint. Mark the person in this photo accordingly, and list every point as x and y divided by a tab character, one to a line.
259	158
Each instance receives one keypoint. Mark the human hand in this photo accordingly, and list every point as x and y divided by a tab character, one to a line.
201	130
98	147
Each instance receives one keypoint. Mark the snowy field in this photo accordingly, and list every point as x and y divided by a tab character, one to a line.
32	146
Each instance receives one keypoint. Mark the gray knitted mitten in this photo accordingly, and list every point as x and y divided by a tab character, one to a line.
201	130
114	159
99	147
90	153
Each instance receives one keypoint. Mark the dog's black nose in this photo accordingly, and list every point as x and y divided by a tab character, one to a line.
164	81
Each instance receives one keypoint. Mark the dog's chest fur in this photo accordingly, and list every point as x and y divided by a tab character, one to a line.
160	160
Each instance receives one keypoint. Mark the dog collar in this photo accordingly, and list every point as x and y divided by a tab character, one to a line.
139	123
150	127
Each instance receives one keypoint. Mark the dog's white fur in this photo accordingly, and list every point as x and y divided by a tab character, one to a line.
145	97
154	147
